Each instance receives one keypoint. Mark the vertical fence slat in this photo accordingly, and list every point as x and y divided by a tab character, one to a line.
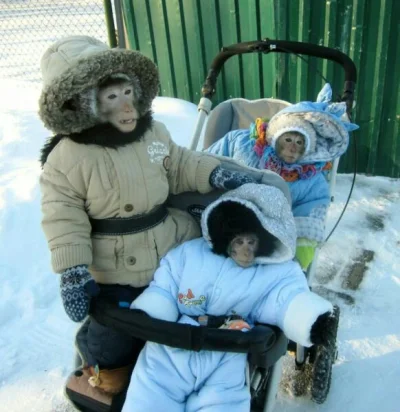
330	34
177	39
364	93
355	52
212	41
342	43
395	130
385	133
230	35
139	27
393	96
317	34
378	81
282	20
197	67
130	24
163	46
249	22
303	35
268	30
292	59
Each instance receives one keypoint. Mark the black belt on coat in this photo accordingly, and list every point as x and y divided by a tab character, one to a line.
129	225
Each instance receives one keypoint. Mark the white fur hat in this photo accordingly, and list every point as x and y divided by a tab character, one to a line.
291	122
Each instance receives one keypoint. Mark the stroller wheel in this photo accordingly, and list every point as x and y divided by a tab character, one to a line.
322	375
325	356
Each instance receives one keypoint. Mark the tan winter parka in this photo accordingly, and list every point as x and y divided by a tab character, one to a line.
81	180
87	180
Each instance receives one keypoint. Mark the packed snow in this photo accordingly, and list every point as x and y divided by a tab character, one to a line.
36	336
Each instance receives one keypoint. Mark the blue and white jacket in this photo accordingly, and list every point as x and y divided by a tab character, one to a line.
310	193
194	281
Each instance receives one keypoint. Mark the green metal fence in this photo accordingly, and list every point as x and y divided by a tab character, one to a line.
183	36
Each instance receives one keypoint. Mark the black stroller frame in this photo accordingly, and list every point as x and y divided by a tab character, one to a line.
264	344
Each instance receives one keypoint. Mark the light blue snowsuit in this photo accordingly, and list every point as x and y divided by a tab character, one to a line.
310	195
193	281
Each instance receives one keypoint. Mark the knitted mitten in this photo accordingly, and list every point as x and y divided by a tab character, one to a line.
221	178
77	287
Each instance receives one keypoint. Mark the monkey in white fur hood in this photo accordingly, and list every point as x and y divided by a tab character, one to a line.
243	267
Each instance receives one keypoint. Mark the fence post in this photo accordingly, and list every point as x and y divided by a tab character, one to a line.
120	24
108	12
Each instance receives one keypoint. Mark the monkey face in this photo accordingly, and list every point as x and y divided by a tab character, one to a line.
243	248
290	146
116	106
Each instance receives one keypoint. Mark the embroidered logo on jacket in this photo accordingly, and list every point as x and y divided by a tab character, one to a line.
189	299
157	152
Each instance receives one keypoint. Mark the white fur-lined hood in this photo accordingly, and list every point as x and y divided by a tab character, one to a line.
272	211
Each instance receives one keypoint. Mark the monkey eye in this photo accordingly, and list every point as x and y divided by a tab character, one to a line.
299	142
239	241
129	91
111	96
251	242
288	139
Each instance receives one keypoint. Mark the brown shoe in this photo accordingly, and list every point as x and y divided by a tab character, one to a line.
84	396
111	381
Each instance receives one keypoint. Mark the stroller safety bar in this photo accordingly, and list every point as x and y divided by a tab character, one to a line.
137	323
267	46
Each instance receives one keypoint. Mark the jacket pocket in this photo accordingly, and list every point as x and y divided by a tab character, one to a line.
104	253
107	171
105	177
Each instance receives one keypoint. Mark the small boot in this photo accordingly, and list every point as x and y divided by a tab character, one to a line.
110	381
84	396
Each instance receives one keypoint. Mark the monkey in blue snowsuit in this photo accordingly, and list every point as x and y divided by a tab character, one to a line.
203	277
299	143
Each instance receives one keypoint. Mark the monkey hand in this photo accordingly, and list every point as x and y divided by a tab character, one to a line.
225	179
77	287
238	324
322	330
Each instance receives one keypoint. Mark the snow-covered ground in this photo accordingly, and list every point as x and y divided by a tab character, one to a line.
36	336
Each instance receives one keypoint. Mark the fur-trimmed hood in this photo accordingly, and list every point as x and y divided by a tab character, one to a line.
74	66
252	208
325	126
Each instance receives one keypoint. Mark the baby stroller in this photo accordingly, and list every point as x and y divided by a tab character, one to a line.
265	345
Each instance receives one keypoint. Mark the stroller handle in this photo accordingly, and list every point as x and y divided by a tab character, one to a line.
267	46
